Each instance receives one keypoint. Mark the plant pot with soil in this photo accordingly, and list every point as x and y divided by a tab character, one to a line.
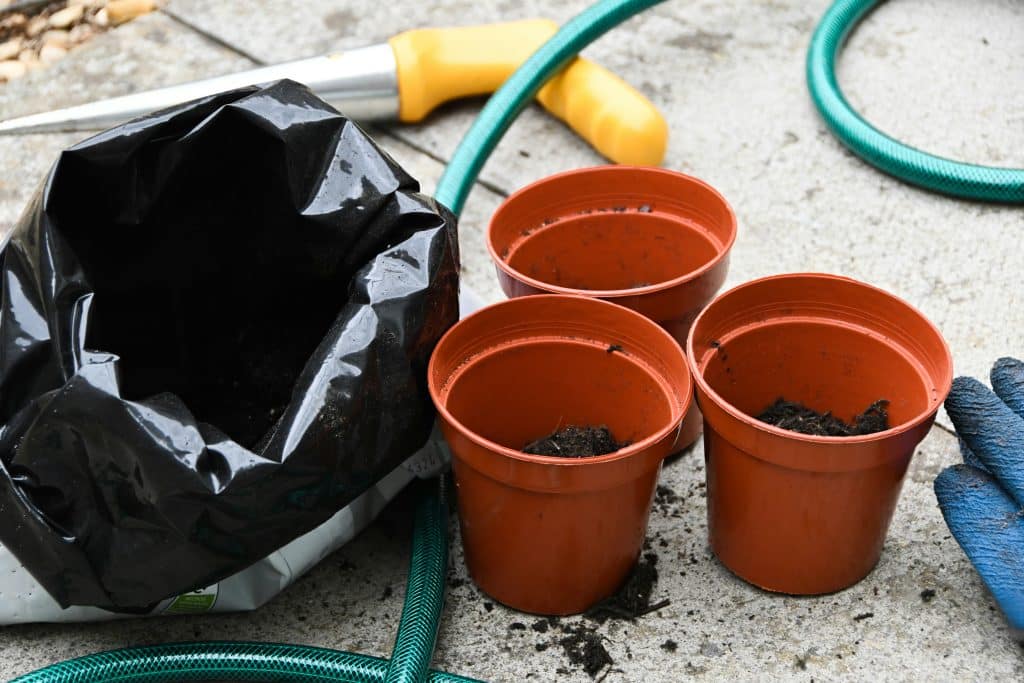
861	372
597	393
649	239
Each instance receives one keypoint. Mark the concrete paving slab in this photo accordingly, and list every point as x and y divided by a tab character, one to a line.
722	628
147	53
26	161
729	76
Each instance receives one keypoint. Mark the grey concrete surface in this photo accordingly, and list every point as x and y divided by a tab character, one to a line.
729	76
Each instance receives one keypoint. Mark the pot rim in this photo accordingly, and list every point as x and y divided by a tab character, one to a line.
699	383
722	254
633	449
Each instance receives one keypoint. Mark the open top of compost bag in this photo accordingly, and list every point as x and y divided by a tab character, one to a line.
214	330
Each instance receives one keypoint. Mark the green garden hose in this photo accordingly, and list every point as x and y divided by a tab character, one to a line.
955	178
241	661
424	593
223	661
414	643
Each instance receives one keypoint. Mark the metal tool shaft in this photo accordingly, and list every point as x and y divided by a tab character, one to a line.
362	83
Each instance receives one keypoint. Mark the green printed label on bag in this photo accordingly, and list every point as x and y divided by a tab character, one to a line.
201	600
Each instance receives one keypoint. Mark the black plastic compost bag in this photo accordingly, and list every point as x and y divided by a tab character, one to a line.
214	330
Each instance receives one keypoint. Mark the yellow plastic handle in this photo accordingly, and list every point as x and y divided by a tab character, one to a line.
606	111
440	64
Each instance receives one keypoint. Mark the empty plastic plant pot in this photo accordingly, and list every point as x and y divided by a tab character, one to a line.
547	534
649	239
791	512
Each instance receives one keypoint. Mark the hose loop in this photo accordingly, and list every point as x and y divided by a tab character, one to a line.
939	174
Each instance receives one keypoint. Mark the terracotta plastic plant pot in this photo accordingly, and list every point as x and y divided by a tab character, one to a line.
808	514
543	534
649	239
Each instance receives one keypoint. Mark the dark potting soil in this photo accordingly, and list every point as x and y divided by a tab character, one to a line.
576	442
584	649
633	599
582	640
796	417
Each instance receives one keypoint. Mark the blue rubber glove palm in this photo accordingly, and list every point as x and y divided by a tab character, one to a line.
983	499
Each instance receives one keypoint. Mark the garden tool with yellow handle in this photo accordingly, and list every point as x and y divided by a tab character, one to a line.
410	75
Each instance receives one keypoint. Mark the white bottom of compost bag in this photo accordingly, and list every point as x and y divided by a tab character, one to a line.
23	600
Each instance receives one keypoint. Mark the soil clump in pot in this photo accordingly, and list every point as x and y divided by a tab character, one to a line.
576	442
796	417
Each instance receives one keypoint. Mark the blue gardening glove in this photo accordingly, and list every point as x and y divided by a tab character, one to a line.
983	499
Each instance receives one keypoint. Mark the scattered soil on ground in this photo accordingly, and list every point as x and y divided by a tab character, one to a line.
584	649
668	502
581	640
633	600
796	417
576	442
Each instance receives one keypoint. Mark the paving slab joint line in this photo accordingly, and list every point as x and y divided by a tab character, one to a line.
213	38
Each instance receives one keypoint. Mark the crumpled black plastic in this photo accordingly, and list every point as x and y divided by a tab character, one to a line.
214	331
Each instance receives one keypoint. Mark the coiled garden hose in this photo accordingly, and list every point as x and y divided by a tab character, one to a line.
224	661
955	178
414	643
